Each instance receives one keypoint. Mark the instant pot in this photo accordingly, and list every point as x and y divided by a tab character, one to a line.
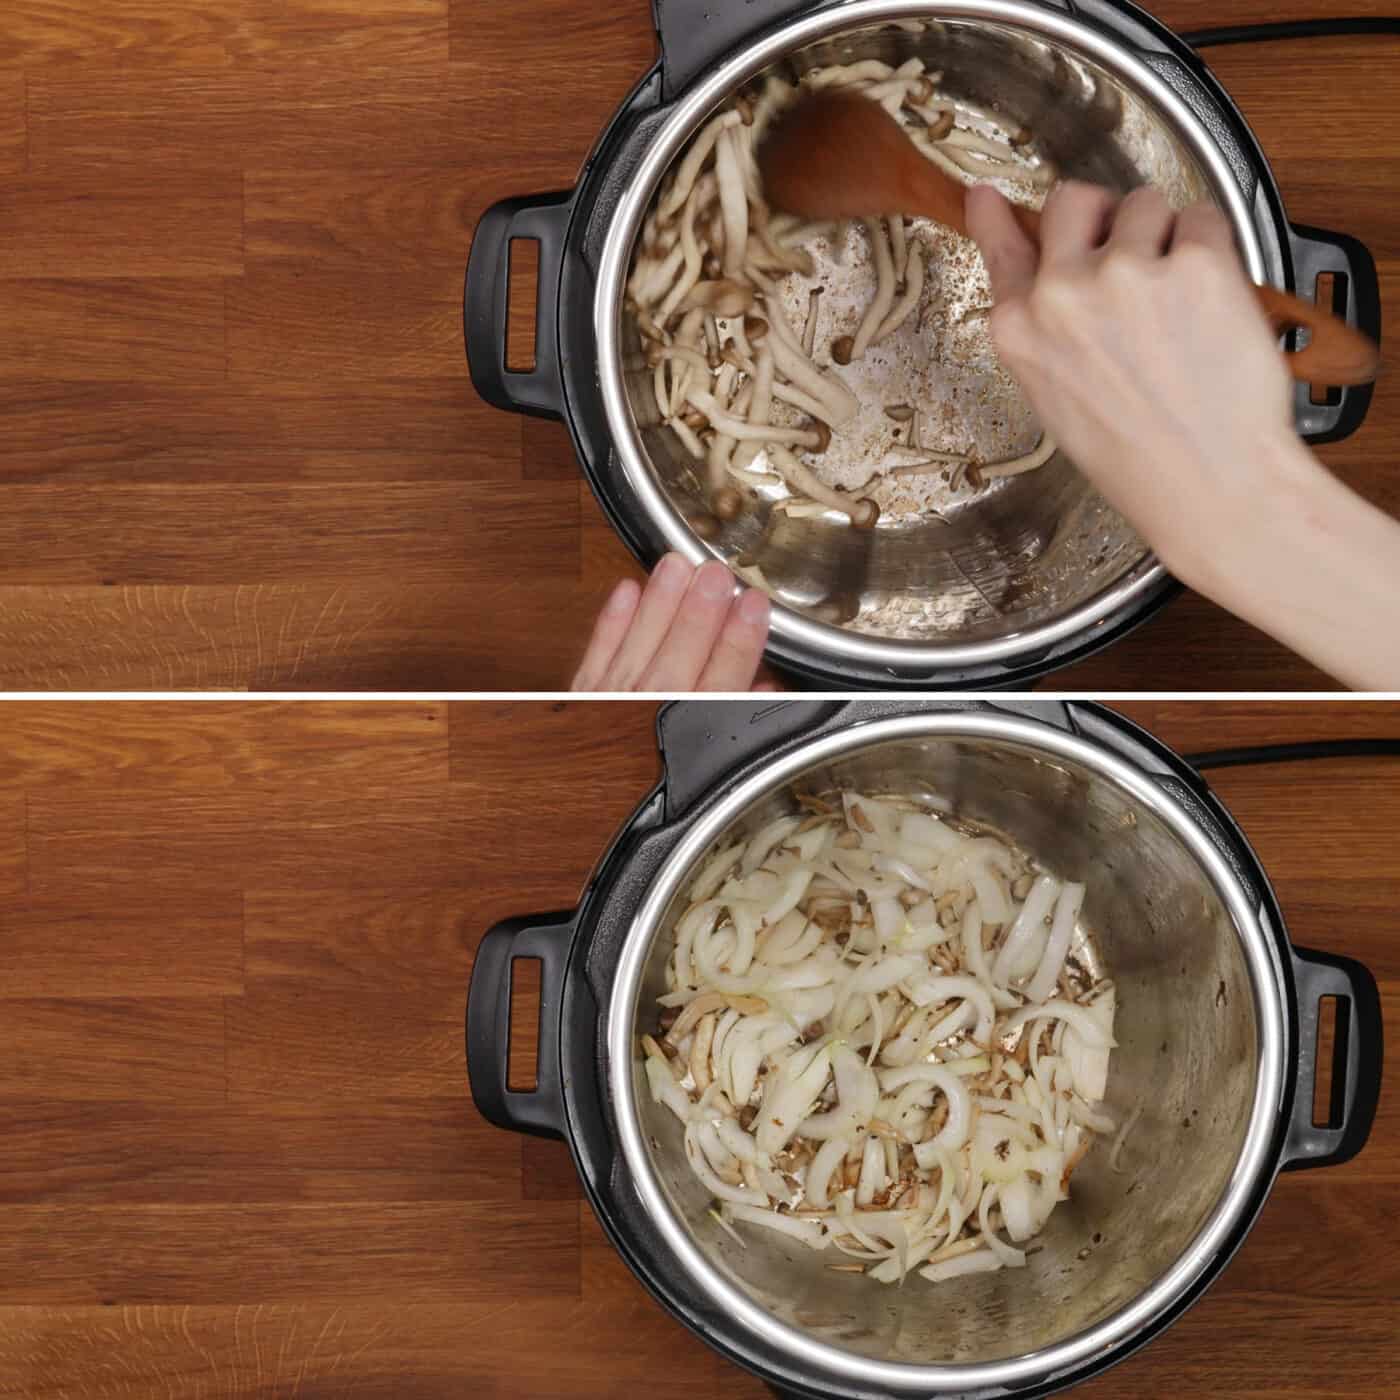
1217	1028
1037	572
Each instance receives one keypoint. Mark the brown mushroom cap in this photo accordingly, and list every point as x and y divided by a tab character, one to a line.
755	329
941	127
727	503
864	514
841	349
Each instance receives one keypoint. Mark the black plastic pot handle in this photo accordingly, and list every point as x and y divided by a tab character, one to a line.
538	391
1317	251
540	1110
694	36
1356	1060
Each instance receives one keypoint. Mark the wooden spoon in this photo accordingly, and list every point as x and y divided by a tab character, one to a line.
839	155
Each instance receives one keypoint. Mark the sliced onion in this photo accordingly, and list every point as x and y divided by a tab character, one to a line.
714	871
979	1261
1078	1018
1021	951
760	962
810	1232
1088	1062
1052	962
767	839
789	1097
829	1156
665	1089
872	1172
717	1187
1013	1258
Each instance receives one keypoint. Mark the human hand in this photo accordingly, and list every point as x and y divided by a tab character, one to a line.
1141	347
687	631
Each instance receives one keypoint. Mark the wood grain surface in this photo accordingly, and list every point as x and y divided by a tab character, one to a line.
238	1156
238	446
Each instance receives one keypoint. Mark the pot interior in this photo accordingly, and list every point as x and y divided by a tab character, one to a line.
1187	1055
946	565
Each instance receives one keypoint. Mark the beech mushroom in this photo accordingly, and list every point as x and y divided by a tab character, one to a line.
1041	453
913	289
878	309
809	331
692	163
862	511
899	247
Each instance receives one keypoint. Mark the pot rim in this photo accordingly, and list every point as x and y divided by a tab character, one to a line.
789	628
1254	1164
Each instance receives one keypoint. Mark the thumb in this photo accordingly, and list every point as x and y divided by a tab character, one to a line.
1010	255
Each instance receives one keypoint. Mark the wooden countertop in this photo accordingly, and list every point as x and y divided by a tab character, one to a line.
237	1152
238	446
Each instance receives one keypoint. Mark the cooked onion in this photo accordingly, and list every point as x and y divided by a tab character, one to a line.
831	1058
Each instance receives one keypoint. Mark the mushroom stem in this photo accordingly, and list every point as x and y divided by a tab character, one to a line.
690	167
733	203
658	389
840	404
725	422
1041	453
690	273
899	247
913	289
759	406
686	433
869	70
975	141
862	511
809	331
884	289
935	460
651	279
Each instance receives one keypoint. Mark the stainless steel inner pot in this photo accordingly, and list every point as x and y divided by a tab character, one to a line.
1033	560
1201	1034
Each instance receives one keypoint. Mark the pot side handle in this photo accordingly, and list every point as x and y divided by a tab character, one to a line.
695	35
538	1111
486	303
1357	301
1356	1060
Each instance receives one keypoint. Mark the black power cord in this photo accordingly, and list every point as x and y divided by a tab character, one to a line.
1293	753
1290	29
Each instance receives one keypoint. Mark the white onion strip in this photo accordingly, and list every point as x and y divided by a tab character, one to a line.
844	1057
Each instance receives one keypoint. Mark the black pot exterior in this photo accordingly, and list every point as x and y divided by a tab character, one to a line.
709	747
573	225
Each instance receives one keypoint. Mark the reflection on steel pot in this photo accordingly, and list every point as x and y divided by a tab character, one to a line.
1032	572
1217	1040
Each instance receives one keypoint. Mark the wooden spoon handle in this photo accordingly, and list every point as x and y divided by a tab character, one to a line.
1336	353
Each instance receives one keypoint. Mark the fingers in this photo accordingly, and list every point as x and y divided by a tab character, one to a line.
1143	224
1203	224
735	659
1073	223
686	647
661	601
685	631
608	633
1010	255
